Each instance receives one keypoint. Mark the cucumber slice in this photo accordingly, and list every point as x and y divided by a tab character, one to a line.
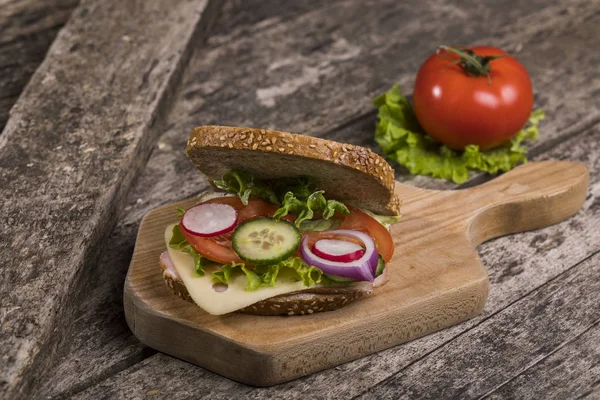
265	240
380	266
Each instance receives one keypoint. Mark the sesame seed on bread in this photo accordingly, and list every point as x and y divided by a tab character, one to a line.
351	174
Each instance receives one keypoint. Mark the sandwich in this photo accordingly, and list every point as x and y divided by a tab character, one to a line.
294	225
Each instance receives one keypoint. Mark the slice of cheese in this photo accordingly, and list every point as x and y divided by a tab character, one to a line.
235	297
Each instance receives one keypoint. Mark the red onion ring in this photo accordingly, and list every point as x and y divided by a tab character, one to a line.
363	269
338	250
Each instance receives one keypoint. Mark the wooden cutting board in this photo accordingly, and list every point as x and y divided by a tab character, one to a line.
436	280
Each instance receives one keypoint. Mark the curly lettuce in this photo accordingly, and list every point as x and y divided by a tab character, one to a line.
266	275
305	209
402	140
245	185
297	196
178	242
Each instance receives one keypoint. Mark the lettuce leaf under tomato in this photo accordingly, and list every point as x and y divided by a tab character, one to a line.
297	196
260	276
266	275
178	242
386	220
318	225
402	140
245	185
305	208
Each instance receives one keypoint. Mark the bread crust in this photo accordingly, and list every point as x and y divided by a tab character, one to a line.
304	302
347	172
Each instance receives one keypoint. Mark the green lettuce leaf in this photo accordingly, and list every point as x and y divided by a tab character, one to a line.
338	279
245	185
296	196
223	274
334	206
385	220
178	242
402	140
305	209
290	204
199	261
308	274
301	187
261	276
266	275
318	225
380	266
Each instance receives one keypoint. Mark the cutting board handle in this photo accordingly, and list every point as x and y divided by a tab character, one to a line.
530	196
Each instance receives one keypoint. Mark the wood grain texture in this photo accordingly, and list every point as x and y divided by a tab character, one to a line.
531	329
436	280
27	28
339	104
67	158
96	340
570	371
516	264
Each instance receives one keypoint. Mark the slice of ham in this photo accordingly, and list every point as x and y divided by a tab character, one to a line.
169	266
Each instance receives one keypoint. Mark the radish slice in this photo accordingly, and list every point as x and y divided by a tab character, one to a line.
209	219
338	250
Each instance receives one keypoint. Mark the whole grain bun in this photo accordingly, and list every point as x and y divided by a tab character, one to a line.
309	301
352	174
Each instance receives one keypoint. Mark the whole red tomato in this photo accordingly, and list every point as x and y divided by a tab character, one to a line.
458	104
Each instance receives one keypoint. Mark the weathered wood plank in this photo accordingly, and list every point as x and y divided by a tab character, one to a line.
572	371
504	346
335	98
68	156
173	383
243	18
518	265
98	343
169	176
27	28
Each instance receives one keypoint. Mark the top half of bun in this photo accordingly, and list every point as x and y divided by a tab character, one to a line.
352	174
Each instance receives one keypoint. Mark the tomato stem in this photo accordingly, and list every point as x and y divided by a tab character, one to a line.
473	64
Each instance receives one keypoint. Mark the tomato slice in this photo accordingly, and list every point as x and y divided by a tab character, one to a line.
360	221
219	248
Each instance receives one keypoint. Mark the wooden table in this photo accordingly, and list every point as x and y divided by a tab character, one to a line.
96	140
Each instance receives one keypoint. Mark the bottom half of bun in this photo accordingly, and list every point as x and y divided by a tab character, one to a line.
308	301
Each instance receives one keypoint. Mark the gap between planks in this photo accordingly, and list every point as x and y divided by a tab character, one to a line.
575	130
572	133
486	318
19	383
149	352
566	343
359	119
